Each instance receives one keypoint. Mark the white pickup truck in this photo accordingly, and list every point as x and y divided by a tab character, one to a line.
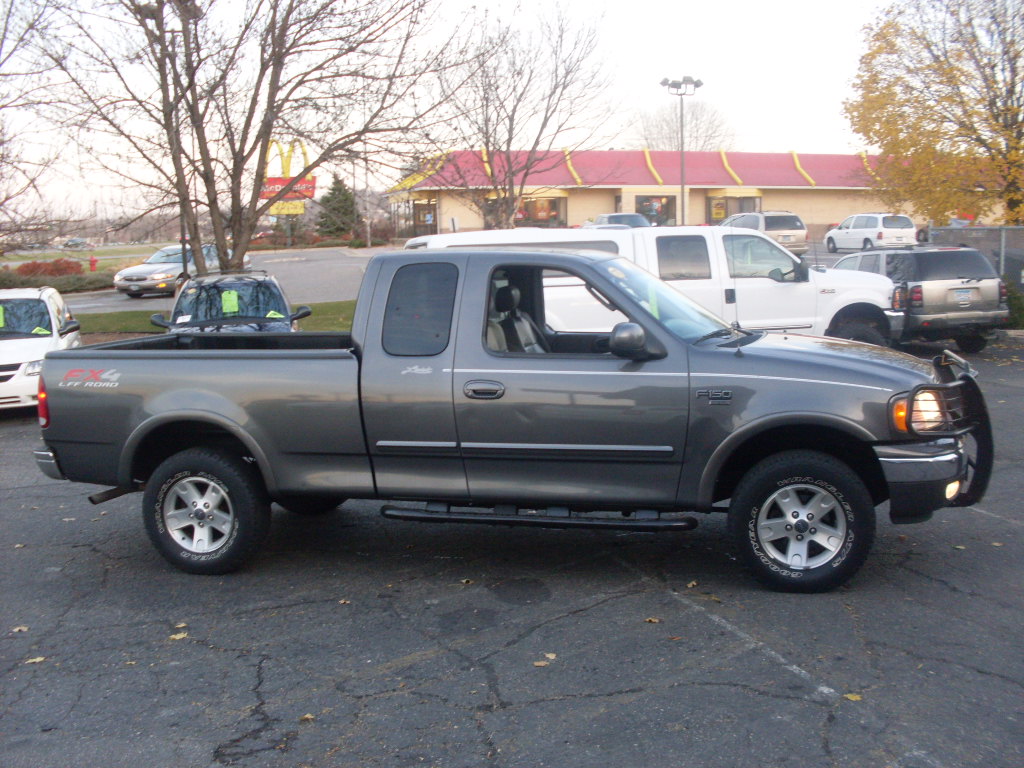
740	275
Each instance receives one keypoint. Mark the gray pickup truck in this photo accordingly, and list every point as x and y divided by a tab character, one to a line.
455	400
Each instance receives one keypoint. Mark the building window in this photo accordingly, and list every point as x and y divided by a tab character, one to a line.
541	212
660	211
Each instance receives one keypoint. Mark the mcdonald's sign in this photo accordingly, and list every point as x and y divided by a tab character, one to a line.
303	189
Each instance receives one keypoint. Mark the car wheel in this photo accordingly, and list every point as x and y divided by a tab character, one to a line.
206	511
868	245
830	244
971	343
802	521
134	295
859	331
310	506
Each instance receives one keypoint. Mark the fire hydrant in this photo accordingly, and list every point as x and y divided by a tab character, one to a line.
92	263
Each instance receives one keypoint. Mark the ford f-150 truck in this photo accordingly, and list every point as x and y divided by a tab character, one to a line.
455	392
738	274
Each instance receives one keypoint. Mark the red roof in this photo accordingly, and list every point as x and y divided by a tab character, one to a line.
630	168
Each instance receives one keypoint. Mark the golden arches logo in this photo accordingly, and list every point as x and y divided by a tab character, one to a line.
301	189
285	152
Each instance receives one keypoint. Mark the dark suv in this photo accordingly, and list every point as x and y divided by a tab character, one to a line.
949	293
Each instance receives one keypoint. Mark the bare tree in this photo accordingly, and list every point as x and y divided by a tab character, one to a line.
22	87
705	128
183	98
522	94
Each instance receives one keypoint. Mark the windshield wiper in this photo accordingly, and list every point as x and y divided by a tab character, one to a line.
720	333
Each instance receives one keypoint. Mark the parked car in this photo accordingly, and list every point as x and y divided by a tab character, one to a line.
76	244
949	293
864	231
161	273
787	229
234	303
33	321
620	219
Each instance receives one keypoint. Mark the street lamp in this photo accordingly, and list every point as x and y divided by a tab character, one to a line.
680	88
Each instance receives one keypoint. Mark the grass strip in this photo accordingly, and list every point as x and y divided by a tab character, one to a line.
327	316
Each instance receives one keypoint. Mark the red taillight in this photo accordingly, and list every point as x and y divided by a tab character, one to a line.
880	238
43	406
1003	295
917	296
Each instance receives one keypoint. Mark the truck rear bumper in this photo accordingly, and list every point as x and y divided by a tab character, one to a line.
921	477
47	463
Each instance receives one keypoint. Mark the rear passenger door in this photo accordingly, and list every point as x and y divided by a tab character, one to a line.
406	380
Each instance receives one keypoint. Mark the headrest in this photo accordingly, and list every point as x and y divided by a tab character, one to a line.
506	298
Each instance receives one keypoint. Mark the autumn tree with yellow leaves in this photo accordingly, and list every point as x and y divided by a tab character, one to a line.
940	93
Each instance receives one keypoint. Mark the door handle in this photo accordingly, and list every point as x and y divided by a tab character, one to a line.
483	390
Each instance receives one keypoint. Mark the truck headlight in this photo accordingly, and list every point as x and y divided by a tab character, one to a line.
927	412
33	367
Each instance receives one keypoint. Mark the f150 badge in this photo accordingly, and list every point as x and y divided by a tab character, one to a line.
715	396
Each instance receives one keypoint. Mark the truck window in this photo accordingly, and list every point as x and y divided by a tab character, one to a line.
752	256
418	313
683	258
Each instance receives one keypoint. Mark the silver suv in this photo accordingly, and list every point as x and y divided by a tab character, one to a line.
949	293
785	228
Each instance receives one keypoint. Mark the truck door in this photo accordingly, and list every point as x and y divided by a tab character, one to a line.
561	418
684	262
768	290
406	380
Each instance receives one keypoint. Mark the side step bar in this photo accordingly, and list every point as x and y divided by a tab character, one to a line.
553	517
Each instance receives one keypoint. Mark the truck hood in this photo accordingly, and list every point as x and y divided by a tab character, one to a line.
825	359
22	350
145	270
849	279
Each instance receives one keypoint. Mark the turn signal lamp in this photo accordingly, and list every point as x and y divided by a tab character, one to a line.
42	405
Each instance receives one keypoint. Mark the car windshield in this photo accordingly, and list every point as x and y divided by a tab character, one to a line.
229	299
678	314
775	223
897	222
24	317
168	256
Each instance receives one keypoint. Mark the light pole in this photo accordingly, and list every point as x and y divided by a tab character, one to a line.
680	88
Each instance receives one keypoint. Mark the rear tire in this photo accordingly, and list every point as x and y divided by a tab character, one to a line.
858	331
802	521
830	244
972	343
206	511
868	245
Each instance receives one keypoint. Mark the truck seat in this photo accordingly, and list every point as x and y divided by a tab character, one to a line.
521	332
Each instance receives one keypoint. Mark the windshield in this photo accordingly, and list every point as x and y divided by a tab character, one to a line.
24	317
228	299
678	314
168	256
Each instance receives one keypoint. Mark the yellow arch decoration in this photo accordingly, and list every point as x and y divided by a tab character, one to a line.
568	164
728	168
651	168
286	155
487	163
868	168
796	162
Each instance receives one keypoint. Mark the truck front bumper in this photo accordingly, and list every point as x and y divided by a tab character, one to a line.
922	477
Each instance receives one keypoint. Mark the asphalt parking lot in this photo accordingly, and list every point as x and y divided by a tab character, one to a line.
355	641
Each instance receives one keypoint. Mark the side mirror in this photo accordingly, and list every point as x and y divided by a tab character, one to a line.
69	326
802	270
159	321
301	312
629	340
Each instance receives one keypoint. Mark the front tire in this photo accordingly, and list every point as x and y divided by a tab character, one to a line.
206	511
802	521
858	331
831	245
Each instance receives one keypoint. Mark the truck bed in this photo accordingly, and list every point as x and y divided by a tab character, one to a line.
167	342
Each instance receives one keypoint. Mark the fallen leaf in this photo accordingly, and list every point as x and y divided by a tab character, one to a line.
36	660
344	602
997	543
179	636
691	584
68	519
130	663
541	663
676	637
20	628
307	718
959	546
551	656
180	625
653	620
467	581
853	696
19	546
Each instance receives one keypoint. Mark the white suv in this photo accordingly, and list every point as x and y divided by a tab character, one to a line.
864	231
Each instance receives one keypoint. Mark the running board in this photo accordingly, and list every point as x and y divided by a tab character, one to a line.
553	517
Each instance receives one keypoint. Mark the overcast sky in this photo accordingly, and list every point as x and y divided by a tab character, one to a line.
777	70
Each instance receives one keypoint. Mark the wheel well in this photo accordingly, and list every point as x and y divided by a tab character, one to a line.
169	439
868	314
833	442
